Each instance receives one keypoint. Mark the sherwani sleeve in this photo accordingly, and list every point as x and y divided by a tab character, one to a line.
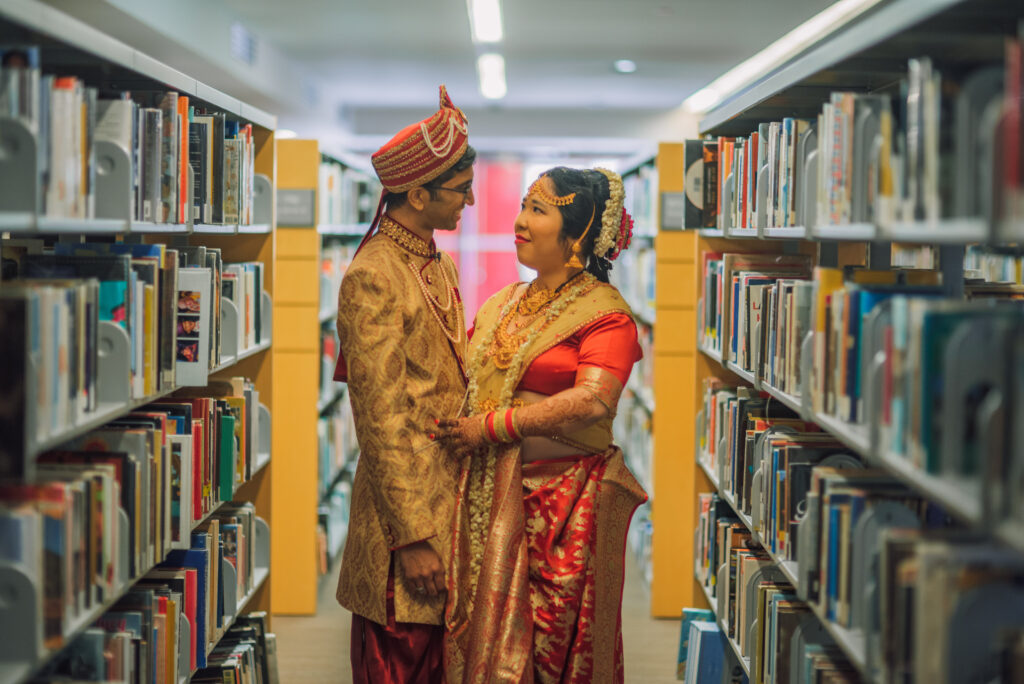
371	331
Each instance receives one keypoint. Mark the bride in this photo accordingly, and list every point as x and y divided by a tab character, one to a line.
535	581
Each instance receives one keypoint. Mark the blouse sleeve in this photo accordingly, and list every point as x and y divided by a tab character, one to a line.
610	343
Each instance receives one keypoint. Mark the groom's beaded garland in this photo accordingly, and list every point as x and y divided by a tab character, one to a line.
447	315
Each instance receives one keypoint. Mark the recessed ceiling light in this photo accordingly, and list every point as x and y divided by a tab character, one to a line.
485	20
625	66
491	68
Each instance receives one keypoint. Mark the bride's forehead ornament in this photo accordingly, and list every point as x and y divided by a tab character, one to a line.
538	190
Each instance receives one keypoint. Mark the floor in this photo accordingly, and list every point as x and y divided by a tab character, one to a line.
314	650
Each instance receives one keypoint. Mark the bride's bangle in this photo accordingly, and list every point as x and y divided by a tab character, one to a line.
500	427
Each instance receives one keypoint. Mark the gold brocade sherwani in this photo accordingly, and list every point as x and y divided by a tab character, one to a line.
404	372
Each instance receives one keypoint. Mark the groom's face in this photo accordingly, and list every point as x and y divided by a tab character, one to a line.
452	196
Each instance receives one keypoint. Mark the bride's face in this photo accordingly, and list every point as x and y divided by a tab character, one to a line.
538	233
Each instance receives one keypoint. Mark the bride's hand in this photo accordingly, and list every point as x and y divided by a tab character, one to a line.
462	434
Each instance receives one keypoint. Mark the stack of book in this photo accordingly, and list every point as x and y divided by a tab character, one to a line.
633	274
768	624
950	590
346	196
140	639
336	434
886	159
163	468
151	139
738	292
641	188
247	654
165	301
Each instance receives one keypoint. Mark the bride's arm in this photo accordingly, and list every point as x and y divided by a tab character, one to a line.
591	399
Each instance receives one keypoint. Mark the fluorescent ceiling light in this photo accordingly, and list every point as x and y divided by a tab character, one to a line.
491	68
485	20
625	66
704	99
285	134
778	53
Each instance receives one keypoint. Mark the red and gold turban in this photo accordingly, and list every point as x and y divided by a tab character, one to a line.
423	151
415	156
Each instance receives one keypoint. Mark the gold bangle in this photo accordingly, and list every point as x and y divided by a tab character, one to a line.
518	432
498	423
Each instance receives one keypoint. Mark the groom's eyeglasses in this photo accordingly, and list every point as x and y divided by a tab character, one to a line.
465	190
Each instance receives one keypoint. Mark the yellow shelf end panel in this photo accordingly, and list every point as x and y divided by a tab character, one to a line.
296	381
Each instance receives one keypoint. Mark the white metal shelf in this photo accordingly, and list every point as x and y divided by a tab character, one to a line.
879	22
50	21
102	415
712	354
953	231
25	223
244	354
849	232
328	315
790	400
960	498
786	233
255	229
343	229
944	232
215	228
259	578
854	436
325	402
746	375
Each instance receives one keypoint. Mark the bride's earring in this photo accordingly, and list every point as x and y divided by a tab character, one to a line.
574	259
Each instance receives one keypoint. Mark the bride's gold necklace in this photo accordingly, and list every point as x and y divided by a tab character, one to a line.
508	336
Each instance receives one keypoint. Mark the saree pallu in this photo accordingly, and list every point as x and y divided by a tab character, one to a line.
549	594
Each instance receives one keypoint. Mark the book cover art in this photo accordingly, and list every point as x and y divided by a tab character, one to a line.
693	184
710	185
193	326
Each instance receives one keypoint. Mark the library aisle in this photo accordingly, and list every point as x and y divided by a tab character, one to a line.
816	217
315	650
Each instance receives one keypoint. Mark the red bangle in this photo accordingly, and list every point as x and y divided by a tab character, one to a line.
510	427
489	424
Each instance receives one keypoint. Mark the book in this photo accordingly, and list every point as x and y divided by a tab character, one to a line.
193	320
708	659
690	615
693	184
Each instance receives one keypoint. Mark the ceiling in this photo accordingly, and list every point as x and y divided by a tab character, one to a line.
382	61
351	73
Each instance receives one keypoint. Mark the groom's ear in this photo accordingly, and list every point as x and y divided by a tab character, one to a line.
418	197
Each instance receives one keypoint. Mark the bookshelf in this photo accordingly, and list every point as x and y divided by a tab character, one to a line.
948	487
633	273
68	48
347	197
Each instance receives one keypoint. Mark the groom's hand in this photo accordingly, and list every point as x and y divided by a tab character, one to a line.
422	568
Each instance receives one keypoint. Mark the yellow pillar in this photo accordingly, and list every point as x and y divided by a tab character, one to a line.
675	492
296	352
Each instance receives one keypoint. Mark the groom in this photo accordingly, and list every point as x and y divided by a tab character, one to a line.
403	342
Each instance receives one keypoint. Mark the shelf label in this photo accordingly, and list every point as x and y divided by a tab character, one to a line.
673	204
296	208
